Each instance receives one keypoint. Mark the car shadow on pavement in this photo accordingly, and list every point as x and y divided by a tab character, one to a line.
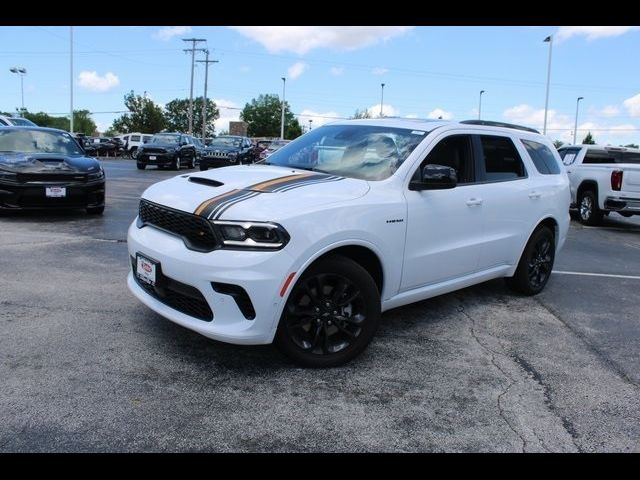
52	216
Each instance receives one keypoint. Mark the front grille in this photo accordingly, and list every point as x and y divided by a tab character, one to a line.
217	154
177	295
52	178
154	151
195	231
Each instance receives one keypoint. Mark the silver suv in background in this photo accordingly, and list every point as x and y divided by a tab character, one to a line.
15	122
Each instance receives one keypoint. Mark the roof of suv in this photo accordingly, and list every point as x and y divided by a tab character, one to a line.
612	148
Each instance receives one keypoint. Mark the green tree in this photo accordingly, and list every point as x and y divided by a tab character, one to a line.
144	115
177	115
558	143
632	145
82	121
361	114
263	114
589	140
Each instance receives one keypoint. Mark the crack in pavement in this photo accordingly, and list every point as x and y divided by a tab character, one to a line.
511	381
608	362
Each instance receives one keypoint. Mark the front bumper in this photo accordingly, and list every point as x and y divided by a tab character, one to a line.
260	274
216	162
163	159
622	204
31	196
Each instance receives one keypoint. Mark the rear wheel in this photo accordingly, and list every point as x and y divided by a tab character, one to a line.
536	263
588	209
331	315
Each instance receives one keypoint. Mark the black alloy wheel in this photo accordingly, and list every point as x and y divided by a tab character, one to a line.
535	265
331	314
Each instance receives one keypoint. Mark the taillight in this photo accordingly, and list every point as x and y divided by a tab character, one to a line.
616	180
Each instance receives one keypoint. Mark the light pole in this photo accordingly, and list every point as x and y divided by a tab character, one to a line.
575	128
546	102
480	105
206	62
310	122
22	72
284	83
381	98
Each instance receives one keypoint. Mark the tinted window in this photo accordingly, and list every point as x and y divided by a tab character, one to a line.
600	156
135	138
568	155
501	159
542	157
631	157
454	152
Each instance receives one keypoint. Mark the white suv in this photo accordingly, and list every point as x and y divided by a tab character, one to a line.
347	221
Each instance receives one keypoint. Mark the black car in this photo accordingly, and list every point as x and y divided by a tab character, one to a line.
47	168
227	150
173	150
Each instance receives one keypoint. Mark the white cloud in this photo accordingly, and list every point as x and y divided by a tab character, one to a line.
336	71
440	113
593	33
607	111
304	39
561	126
167	33
387	110
226	114
633	105
296	70
379	71
411	115
318	118
95	83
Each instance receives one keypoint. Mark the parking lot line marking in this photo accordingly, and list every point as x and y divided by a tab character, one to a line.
587	274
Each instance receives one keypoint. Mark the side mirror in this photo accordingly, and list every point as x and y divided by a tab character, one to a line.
435	177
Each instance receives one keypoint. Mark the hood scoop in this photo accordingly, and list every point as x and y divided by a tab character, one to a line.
206	181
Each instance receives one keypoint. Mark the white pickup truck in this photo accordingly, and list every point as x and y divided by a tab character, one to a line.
603	180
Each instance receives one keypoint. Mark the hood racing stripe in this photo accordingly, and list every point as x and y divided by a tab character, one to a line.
214	207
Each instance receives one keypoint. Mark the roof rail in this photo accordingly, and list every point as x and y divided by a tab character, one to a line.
499	124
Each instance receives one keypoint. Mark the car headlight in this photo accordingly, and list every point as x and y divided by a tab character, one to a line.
251	235
171	150
8	176
96	175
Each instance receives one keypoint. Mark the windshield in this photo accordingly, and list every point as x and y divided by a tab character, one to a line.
38	141
22	122
165	138
226	141
358	151
276	146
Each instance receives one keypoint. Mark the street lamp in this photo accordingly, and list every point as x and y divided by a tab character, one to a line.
575	128
546	102
284	83
480	104
22	72
381	99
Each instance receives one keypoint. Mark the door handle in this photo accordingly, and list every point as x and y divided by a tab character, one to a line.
473	202
534	195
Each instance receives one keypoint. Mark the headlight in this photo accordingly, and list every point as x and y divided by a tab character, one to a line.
8	176
171	150
96	175
251	235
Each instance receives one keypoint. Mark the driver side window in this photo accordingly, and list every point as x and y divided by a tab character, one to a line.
455	152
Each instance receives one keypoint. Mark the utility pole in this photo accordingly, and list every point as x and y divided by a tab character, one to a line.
71	77
206	62
284	83
546	102
193	51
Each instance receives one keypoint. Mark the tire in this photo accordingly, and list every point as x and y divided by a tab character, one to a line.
141	166
317	329
588	209
133	152
536	263
95	210
192	163
626	214
203	168
176	164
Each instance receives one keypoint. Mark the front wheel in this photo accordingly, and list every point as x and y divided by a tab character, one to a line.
203	168
176	164
192	164
141	166
590	214
536	263
331	315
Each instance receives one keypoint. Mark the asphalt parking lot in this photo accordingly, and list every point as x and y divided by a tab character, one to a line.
85	367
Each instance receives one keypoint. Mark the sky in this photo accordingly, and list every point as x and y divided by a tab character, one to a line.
428	72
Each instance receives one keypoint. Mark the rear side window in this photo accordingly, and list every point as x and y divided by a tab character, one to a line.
631	157
135	138
501	159
542	157
600	156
